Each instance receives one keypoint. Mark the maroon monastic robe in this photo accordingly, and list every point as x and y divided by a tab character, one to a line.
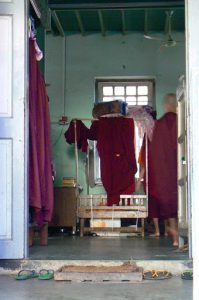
82	135
115	145
162	162
40	173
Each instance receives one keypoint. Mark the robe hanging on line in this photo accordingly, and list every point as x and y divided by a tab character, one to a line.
115	145
40	171
82	135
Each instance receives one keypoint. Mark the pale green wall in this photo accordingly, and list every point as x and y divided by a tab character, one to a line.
97	56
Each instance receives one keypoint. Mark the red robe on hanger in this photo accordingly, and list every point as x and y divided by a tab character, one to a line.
115	145
40	171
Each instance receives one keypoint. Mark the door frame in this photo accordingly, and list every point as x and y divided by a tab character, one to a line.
192	90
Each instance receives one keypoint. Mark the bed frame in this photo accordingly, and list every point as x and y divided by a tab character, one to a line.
94	207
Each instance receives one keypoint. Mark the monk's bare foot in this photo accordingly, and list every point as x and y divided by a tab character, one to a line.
166	234
184	248
156	234
175	244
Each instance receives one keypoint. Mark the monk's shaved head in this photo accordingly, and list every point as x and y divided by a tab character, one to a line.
170	103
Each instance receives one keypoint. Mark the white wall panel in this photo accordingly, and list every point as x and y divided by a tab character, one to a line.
6	188
6	65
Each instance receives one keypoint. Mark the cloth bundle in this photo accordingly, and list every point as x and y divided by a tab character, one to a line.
111	107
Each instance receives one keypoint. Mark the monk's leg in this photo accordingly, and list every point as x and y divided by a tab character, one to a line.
166	227
173	230
156	225
154	214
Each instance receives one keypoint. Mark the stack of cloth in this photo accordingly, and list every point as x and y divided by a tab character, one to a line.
112	107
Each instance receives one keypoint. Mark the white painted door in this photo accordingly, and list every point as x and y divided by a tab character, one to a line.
13	175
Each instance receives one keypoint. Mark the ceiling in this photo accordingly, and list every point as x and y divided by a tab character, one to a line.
106	17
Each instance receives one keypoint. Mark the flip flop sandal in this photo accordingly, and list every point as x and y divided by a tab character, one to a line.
187	275
156	275
46	274
26	274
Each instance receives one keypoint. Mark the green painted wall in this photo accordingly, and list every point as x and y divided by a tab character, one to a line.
96	56
41	43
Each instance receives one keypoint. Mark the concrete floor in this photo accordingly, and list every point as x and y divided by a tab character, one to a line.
107	248
173	289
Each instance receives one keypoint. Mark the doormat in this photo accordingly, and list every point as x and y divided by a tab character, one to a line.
127	272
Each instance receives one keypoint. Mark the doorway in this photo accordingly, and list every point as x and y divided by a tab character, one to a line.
107	43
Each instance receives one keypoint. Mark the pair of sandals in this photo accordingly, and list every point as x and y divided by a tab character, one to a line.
160	275
29	274
187	274
156	275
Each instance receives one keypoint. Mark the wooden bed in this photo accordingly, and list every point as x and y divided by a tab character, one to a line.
94	207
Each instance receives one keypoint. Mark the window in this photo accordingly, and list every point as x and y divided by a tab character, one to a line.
134	92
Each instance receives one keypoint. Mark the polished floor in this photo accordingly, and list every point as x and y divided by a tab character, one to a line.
33	289
106	248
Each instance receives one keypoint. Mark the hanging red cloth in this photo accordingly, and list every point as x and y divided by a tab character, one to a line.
82	134
40	172
115	145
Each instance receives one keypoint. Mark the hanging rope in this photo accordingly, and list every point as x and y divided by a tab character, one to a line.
91	209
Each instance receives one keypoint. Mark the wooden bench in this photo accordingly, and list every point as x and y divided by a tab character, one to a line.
94	207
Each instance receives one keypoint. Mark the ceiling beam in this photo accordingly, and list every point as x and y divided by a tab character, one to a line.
146	19
101	20
166	25
57	23
111	5
36	8
80	22
123	22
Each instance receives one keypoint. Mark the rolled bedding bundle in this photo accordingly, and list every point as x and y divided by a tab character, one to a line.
111	107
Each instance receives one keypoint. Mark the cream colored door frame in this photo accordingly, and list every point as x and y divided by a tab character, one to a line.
192	75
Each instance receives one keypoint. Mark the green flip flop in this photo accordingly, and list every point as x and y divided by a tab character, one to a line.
26	274
46	274
187	275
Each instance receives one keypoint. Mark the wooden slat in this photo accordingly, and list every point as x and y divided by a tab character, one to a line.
126	267
133	196
115	209
115	229
132	277
110	215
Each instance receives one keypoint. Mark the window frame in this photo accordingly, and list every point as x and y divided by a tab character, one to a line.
99	96
136	81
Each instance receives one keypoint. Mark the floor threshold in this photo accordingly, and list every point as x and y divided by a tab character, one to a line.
14	266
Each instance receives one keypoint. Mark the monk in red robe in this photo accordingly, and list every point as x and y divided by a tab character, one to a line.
162	163
115	145
152	207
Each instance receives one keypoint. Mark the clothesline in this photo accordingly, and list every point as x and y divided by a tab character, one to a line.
84	119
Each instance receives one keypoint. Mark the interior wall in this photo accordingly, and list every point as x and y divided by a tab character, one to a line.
41	43
94	56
